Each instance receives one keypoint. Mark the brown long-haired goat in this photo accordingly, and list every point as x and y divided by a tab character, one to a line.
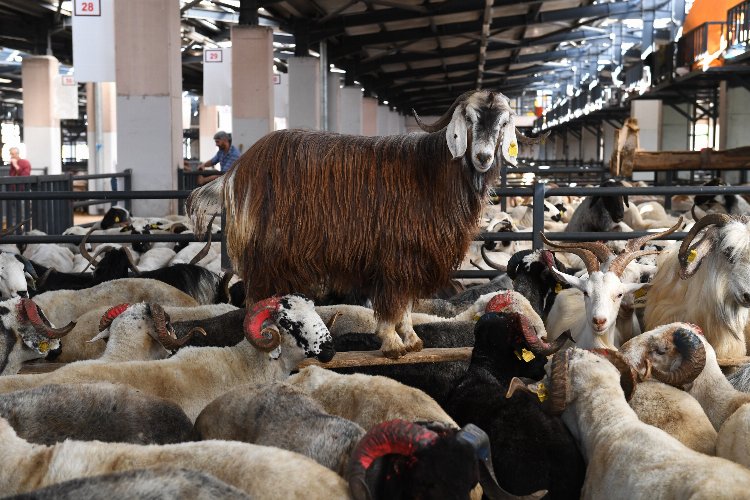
390	216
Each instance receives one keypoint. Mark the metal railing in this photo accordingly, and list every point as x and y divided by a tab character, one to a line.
697	43
738	25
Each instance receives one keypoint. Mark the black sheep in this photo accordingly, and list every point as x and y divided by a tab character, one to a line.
532	275
599	213
531	450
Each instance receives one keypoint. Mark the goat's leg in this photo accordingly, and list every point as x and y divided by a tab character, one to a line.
391	345
406	331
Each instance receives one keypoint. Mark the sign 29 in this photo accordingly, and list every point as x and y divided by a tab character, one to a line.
87	8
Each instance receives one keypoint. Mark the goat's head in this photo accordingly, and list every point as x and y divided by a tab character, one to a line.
425	460
475	125
603	289
25	334
613	203
294	315
17	276
115	216
673	353
114	262
725	246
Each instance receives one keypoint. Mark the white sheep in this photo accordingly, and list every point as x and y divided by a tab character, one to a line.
261	471
155	258
628	459
287	329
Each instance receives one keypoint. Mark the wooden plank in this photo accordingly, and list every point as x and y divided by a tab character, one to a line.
375	358
730	159
32	368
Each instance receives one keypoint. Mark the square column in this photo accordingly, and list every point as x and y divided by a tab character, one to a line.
589	145
41	126
334	102
252	85
608	134
675	128
382	117
369	116
350	117
574	147
208	125
733	118
103	155
304	93
149	97
649	116
560	141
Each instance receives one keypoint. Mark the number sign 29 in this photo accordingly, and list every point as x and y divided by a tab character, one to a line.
87	8
212	56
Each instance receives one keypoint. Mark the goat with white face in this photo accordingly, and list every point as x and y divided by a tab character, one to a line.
603	289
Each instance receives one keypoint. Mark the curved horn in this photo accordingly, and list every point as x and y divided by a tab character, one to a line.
531	140
260	329
165	333
131	262
109	316
204	251
395	436
82	248
628	374
589	258
33	314
444	120
559	383
632	249
599	249
14	228
489	262
710	219
224	287
540	348
693	354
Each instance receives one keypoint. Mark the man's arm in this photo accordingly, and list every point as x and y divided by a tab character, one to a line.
210	163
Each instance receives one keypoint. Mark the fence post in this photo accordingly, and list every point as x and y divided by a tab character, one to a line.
128	182
538	222
226	264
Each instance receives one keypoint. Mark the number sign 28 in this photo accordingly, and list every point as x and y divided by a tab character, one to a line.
88	8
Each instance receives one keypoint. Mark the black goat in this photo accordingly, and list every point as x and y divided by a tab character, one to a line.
531	450
533	277
599	213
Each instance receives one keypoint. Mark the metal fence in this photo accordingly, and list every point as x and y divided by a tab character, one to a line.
738	24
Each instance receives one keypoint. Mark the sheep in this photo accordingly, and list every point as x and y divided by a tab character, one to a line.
281	332
599	213
281	415
530	450
648	215
252	468
366	399
130	333
732	204
406	209
661	405
162	483
706	283
64	306
26	334
627	458
459	302
49	254
156	258
603	289
98	411
16	276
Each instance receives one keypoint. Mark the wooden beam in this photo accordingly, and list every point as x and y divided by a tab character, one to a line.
708	159
375	358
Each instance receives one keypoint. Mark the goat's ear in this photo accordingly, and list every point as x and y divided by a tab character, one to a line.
625	199
567	278
697	252
510	142
456	132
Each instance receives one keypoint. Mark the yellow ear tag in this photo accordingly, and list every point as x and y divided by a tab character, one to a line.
558	288
43	346
117	219
476	317
525	355
640	293
513	149
692	255
541	392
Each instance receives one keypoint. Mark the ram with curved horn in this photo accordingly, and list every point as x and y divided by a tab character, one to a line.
705	280
603	288
406	207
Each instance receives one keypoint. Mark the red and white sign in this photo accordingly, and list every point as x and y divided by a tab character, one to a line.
87	8
213	56
67	80
276	79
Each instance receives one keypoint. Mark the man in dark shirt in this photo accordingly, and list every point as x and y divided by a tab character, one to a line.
225	156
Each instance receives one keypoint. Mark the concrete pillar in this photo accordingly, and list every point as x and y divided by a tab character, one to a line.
560	141
149	97
734	121
649	116
252	84
675	128
108	147
369	116
350	112
381	119
304	93
208	125
608	133
334	102
589	145
574	147
281	101
41	126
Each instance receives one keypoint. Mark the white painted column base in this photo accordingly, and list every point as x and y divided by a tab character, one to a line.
247	131
48	156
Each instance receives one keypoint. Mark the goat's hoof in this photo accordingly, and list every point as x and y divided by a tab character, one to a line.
415	346
394	353
392	347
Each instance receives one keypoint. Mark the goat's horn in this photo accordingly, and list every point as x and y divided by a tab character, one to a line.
131	262
559	383
589	258
444	120
632	249
260	329
82	248
33	314
717	219
628	374
109	316
332	320
14	228
392	437
531	140
224	286
693	359
602	251
692	212
166	335
490	263
204	251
